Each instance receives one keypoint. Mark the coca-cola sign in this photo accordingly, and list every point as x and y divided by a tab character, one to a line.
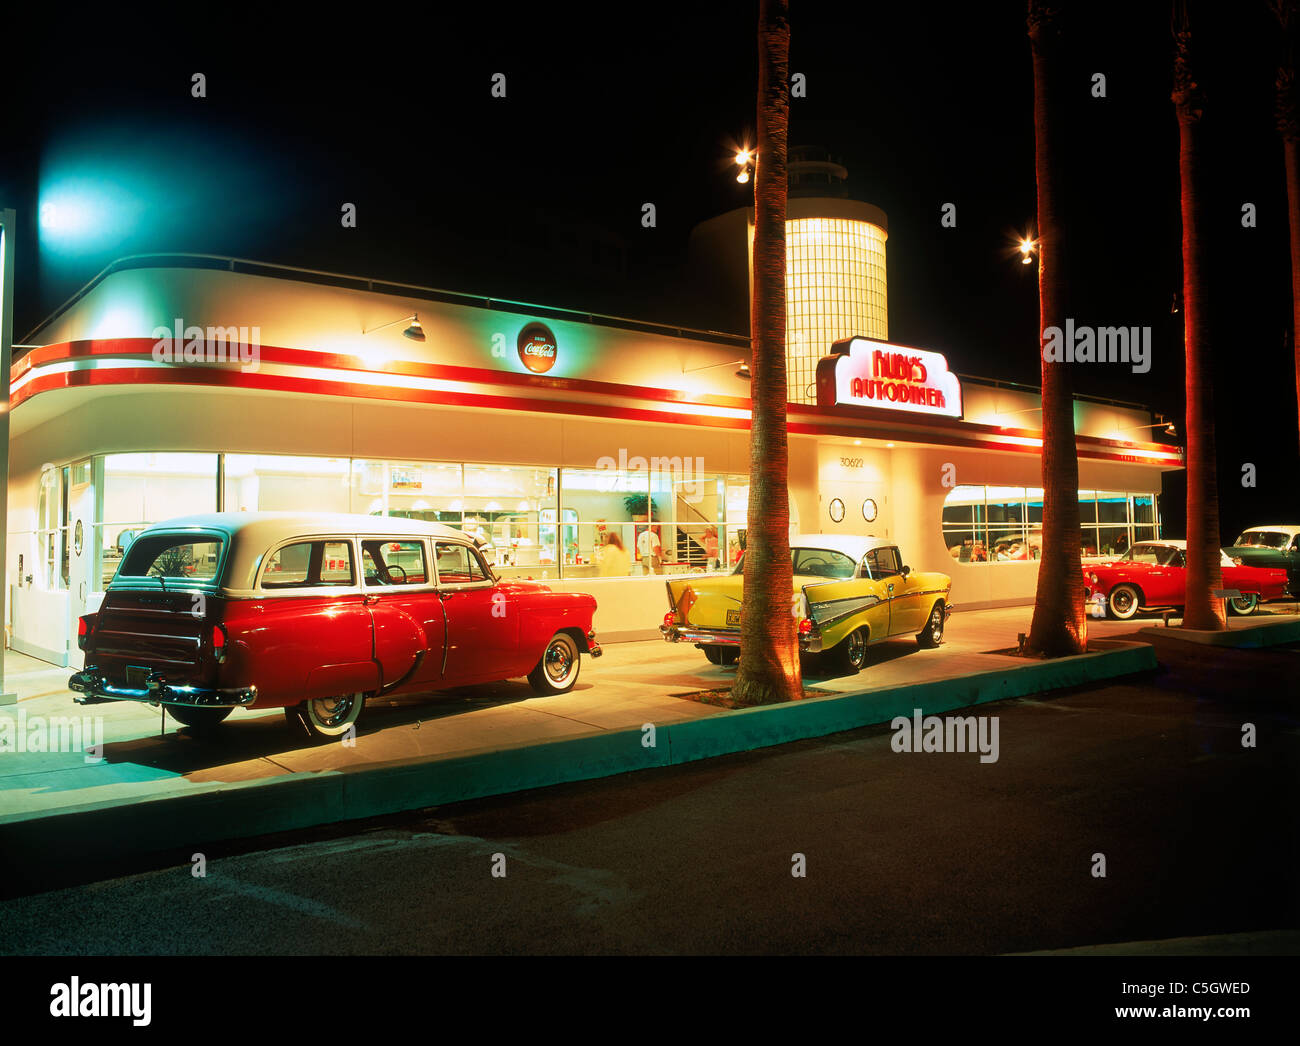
537	348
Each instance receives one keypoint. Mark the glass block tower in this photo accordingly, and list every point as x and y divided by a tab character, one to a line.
835	278
835	281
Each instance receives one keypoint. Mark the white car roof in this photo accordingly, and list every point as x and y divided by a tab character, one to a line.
1180	544
251	535
1281	528
855	546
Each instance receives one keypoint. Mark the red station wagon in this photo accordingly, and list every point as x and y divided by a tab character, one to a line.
315	613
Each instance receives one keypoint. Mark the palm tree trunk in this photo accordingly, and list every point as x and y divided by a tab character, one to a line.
1059	625
1291	151
1287	114
769	653
1204	575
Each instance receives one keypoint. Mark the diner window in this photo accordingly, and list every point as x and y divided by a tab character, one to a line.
309	564
994	524
145	488
599	502
458	565
394	562
510	511
49	524
965	524
285	483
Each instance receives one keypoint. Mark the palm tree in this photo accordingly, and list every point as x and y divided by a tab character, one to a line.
1204	575
1288	124
769	664
1059	625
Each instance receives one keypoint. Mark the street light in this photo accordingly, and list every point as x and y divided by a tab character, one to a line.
1027	248
745	161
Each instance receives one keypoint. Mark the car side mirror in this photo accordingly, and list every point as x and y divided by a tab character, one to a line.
906	571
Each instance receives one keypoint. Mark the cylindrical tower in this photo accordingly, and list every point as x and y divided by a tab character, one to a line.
835	280
835	264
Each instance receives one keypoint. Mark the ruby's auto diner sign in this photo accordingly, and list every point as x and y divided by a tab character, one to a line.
866	373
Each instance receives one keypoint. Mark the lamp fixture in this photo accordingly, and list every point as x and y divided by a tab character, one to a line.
742	371
1170	429
1027	247
745	161
415	332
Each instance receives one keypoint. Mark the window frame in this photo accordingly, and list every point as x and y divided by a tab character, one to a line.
308	590
461	586
428	585
305	588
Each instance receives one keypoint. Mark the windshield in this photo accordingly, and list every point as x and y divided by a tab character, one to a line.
1263	538
1160	555
815	562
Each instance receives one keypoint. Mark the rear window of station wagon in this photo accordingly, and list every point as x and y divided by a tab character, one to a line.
185	558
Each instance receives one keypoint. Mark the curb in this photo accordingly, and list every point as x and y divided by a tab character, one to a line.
1265	633
305	800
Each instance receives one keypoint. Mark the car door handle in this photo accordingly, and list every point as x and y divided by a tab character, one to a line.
370	600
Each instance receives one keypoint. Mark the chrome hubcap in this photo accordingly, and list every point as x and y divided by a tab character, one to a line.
331	711
559	661
856	648
936	624
1123	601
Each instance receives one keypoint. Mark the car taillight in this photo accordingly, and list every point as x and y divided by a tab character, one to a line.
670	619
83	631
219	642
805	627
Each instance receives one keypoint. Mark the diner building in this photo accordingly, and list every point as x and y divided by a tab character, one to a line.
183	384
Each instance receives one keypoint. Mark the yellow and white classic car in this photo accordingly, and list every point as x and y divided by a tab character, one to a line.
849	593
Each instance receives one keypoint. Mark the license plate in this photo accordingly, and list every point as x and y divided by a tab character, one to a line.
733	617
137	676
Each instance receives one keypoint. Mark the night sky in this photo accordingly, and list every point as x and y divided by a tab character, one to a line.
616	107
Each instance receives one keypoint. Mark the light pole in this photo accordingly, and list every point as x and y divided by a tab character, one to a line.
8	227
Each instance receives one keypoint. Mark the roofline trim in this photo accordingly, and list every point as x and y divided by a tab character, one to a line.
319	276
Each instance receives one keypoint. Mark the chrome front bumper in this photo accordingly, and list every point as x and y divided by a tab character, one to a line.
94	688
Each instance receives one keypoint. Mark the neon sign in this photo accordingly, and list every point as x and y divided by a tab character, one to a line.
866	373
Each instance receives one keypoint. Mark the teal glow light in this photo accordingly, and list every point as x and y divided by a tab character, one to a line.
85	214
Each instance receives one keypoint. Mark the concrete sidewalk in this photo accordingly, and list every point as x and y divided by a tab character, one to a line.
156	787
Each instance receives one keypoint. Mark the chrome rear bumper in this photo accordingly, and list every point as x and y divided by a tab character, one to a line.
94	688
702	636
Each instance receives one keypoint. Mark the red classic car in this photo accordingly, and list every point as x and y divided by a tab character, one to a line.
316	613
1153	574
